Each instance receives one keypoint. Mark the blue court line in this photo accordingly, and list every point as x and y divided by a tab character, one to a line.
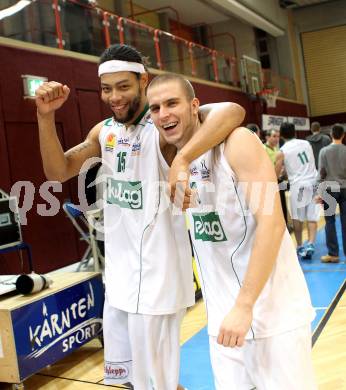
323	280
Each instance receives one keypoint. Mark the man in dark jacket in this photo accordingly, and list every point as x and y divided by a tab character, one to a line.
317	140
333	174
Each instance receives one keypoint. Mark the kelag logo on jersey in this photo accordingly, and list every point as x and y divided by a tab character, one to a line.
126	194
207	227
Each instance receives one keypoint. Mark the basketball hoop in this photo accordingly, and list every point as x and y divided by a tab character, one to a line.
269	95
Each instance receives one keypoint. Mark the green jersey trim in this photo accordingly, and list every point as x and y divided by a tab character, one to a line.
141	115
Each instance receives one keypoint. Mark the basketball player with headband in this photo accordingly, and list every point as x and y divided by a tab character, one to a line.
149	281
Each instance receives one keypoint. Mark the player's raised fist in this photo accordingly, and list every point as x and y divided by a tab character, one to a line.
50	96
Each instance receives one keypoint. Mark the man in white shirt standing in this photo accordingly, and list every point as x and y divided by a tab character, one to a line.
297	158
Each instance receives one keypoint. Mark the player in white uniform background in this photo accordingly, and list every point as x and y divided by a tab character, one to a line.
148	271
257	301
297	158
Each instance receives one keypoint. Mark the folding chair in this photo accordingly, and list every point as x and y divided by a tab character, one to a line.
95	221
86	234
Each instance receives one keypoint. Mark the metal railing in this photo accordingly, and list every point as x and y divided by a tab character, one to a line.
77	25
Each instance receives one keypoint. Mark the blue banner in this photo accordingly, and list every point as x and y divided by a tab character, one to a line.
49	329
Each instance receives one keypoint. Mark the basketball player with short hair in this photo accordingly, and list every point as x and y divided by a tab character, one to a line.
257	301
148	270
297	158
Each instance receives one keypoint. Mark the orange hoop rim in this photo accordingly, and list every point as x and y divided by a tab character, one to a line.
269	95
269	91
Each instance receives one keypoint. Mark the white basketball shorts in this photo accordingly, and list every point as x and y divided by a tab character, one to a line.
303	205
281	362
141	349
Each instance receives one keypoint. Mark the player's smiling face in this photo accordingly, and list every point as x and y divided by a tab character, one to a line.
173	114
124	94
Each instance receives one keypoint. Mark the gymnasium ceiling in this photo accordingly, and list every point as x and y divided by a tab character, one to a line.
206	11
300	3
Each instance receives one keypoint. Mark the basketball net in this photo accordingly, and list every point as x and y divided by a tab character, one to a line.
270	96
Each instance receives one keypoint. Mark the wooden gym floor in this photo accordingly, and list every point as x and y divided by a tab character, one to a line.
83	369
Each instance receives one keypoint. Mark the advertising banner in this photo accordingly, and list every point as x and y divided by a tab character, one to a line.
299	123
270	122
49	329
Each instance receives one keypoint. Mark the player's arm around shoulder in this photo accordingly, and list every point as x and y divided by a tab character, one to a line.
218	121
222	112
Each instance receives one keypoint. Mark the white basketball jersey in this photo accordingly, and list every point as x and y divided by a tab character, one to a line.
299	162
223	232
147	250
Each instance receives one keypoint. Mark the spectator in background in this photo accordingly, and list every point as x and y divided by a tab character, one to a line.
317	140
297	157
332	170
255	129
272	143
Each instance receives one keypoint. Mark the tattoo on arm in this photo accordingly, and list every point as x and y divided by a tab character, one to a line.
77	149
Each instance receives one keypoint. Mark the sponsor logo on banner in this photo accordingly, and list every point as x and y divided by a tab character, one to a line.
207	227
50	328
272	121
111	142
300	123
58	328
116	371
126	194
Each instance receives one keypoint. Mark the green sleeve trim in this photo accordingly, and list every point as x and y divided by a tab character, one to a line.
108	122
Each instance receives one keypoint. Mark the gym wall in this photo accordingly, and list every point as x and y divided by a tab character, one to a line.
53	239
